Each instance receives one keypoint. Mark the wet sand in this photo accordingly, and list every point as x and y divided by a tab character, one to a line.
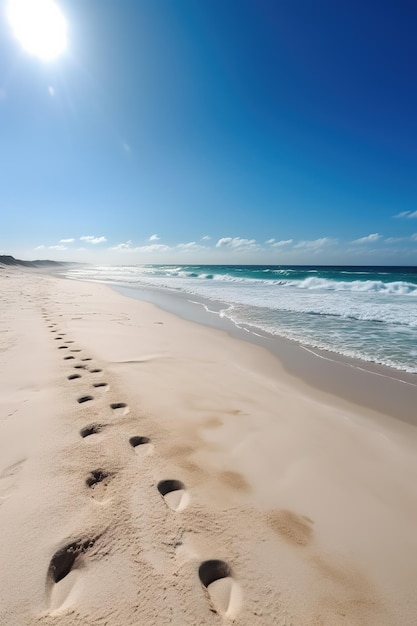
382	389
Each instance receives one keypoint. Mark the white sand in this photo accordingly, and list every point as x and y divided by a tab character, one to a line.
312	502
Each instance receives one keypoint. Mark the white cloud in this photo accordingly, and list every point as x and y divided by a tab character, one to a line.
92	239
59	247
401	239
154	237
155	247
191	245
278	244
368	239
126	245
40	247
67	240
235	243
159	247
395	239
206	238
283	242
407	214
315	244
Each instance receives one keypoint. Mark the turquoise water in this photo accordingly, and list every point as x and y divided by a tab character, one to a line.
363	312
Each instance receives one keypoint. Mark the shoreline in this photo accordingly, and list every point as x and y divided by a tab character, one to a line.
326	371
154	446
340	321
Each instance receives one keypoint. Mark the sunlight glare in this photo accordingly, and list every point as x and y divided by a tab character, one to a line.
39	26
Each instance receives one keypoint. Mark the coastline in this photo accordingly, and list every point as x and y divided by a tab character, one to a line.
305	495
363	313
376	387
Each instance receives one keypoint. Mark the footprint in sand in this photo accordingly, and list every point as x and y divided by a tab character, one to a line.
63	561
74	376
141	445
101	386
66	358
174	493
224	592
64	570
84	399
119	408
92	429
96	476
87	359
96	371
98	481
75	350
63	348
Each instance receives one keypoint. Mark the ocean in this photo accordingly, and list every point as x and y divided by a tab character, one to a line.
367	313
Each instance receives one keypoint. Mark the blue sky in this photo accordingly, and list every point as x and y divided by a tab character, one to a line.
227	131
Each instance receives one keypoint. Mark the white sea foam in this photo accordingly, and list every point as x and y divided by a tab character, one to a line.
397	287
366	318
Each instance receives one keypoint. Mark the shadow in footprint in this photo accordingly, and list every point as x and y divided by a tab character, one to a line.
79	367
73	376
101	386
63	348
66	358
119	408
98	481
224	592
141	445
92	429
96	476
76	350
174	493
63	561
84	399
86	359
95	371
64	572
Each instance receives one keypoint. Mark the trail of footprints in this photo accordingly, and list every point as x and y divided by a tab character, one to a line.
216	576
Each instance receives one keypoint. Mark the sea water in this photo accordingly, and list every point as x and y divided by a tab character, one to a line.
368	313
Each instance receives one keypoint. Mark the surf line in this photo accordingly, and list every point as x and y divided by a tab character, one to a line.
357	367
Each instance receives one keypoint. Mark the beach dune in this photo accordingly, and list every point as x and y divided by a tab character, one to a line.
156	471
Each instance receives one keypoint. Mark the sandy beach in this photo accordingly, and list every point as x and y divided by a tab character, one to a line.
155	471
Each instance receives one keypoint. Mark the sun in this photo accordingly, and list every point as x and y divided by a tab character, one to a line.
39	26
